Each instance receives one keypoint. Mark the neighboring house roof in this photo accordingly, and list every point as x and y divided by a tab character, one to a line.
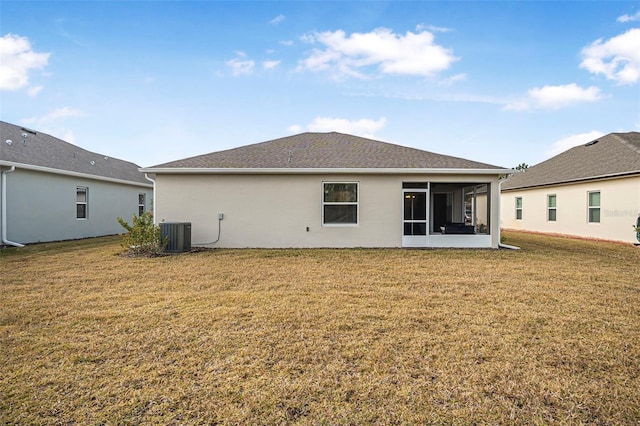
313	151
26	148
616	154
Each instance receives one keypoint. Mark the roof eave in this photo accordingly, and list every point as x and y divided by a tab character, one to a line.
72	173
570	181
293	171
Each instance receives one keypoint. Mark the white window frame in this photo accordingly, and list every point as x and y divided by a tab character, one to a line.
142	205
346	203
550	208
85	202
519	209
591	208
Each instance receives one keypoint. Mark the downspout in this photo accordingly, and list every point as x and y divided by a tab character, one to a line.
146	176
4	208
500	245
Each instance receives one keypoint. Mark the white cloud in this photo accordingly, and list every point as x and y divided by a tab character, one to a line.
364	127
64	112
352	55
450	81
571	141
555	97
16	60
269	65
308	38
629	18
433	28
294	128
278	19
617	58
240	66
33	91
68	136
286	42
55	115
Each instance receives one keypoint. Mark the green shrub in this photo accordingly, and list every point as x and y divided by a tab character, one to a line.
143	238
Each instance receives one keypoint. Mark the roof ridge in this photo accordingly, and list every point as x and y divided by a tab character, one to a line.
626	143
324	150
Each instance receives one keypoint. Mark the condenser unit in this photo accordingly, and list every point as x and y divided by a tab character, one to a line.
178	236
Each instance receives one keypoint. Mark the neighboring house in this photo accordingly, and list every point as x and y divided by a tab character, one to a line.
591	191
52	190
329	190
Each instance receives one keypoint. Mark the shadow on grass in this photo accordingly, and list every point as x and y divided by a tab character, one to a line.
60	246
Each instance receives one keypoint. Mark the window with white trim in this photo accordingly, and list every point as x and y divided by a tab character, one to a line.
551	207
82	198
518	208
340	203
141	204
594	206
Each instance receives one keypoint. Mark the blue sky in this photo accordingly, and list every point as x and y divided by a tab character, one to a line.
156	81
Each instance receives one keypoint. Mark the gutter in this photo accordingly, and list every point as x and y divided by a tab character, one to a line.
4	208
305	170
576	180
153	181
507	246
72	173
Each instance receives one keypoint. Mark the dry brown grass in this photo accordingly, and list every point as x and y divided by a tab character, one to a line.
548	334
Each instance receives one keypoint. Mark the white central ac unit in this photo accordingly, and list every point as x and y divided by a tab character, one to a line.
178	235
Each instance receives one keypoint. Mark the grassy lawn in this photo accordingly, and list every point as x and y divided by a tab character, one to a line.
547	334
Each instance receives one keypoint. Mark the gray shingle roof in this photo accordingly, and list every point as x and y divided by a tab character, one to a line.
612	155
40	149
324	151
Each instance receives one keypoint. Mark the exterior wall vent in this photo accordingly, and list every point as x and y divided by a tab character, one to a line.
178	236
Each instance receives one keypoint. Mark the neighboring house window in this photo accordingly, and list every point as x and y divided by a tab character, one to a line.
340	203
82	195
551	208
141	204
518	208
594	206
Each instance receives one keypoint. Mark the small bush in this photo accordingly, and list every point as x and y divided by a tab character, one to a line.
143	238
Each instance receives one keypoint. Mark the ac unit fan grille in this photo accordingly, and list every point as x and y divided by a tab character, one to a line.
178	236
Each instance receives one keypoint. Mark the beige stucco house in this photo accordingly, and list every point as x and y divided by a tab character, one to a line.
591	191
329	190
